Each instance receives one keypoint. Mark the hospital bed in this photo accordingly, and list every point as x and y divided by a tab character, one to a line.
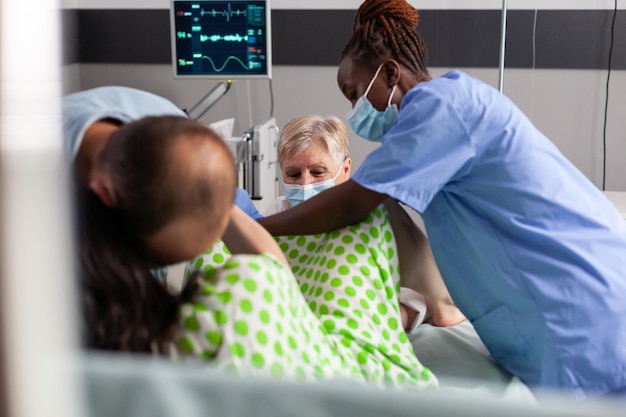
459	359
141	386
468	376
471	384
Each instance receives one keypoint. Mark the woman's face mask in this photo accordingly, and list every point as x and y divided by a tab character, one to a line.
368	122
296	193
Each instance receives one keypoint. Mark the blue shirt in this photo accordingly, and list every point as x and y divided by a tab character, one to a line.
84	108
243	201
531	251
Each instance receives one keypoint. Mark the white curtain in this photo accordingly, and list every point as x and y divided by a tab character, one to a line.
37	303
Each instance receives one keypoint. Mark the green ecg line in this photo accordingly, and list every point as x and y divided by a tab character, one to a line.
225	62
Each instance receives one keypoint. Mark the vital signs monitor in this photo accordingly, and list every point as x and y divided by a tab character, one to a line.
221	40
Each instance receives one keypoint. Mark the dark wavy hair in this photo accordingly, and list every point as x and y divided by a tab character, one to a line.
125	307
385	29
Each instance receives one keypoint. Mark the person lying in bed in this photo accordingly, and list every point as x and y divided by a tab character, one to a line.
146	206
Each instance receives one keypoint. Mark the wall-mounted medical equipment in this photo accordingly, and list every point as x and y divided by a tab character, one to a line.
227	41
222	40
259	163
256	157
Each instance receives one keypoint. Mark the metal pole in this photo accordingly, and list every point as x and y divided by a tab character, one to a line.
502	46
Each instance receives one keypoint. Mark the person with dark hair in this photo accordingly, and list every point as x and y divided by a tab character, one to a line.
161	192
90	116
531	251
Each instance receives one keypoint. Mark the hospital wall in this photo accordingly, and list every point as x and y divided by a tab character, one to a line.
555	66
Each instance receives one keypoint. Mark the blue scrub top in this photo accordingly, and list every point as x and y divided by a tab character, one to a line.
84	108
531	251
244	202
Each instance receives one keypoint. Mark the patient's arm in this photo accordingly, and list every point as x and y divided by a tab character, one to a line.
418	270
245	235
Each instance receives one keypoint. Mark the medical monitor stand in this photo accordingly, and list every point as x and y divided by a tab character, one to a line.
209	100
502	47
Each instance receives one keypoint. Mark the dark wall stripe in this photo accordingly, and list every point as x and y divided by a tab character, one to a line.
124	36
309	37
69	36
567	39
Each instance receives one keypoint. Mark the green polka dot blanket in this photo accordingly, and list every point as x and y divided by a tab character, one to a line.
335	314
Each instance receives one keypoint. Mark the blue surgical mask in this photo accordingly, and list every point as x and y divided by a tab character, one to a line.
296	193
368	122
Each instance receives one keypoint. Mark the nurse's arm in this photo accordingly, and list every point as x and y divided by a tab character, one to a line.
337	207
244	235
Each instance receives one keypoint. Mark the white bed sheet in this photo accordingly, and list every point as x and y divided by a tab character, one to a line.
462	363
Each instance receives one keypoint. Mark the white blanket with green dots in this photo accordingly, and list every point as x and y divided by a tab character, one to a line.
334	315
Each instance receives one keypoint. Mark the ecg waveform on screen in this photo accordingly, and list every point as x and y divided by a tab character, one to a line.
221	38
182	63
226	38
215	38
228	13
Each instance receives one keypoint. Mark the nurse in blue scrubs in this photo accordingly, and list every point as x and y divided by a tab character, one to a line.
532	252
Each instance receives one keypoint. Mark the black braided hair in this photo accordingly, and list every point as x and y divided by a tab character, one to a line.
387	29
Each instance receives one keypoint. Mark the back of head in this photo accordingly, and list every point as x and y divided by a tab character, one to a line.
386	29
160	172
299	134
161	169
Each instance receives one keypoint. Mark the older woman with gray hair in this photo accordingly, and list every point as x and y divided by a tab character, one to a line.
314	155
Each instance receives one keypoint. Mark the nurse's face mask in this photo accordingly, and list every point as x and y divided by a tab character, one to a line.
368	122
296	193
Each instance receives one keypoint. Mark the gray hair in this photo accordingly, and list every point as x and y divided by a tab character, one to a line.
301	132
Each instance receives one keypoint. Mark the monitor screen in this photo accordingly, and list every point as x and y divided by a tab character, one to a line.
221	39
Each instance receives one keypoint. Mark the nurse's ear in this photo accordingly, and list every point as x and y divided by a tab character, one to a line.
391	71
